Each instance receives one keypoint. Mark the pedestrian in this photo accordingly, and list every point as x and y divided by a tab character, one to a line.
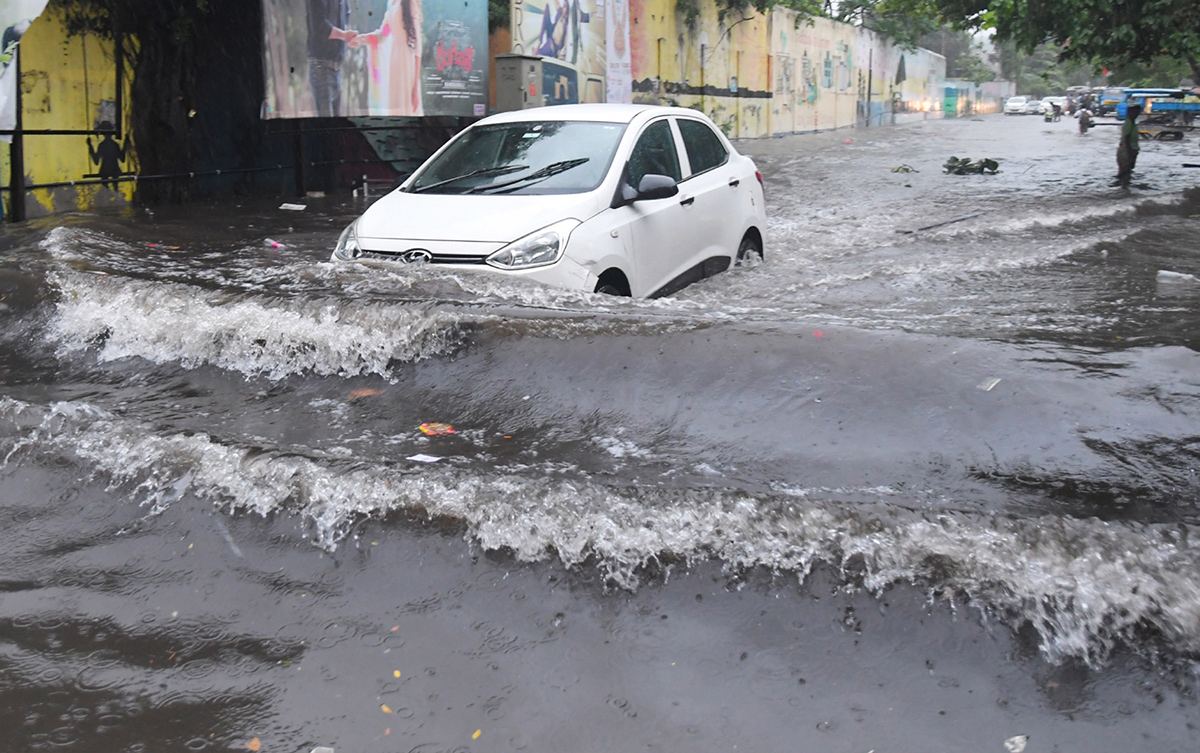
1127	150
1085	120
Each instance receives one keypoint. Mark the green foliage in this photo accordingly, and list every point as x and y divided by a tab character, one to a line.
964	166
1161	71
1112	33
167	21
964	56
499	15
1041	73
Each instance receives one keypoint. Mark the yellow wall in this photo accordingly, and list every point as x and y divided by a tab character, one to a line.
60	92
700	66
790	77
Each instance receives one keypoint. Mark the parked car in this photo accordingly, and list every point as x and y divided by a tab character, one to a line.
620	199
1016	105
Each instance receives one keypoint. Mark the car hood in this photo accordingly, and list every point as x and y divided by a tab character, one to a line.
465	218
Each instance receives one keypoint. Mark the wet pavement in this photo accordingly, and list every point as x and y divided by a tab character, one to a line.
924	479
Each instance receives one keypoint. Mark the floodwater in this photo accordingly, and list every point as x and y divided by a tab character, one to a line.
924	480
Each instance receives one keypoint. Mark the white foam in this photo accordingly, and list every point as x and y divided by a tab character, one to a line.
1082	584
169	322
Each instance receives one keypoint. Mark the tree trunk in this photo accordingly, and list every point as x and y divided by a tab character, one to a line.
1195	66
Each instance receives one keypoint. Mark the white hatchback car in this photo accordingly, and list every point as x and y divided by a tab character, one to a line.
1017	106
620	199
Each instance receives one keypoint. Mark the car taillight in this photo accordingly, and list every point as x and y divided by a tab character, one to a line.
758	175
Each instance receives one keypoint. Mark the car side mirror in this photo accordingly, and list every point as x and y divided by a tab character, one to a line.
652	186
656	187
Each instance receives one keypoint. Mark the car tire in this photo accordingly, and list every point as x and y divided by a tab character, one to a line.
749	252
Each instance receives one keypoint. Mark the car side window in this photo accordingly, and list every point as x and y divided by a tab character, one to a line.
654	154
704	148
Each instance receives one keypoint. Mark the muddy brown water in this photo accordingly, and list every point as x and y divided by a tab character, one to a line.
926	479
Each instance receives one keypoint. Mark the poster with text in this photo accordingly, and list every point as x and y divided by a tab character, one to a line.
359	58
570	37
620	63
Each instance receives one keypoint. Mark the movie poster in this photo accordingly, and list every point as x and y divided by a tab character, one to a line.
570	37
361	58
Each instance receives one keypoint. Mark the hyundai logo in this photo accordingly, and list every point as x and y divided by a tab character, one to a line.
416	256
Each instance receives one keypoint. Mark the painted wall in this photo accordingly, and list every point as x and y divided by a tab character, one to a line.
720	67
765	75
817	73
69	83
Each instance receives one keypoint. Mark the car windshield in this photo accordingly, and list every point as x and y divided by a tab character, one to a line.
539	157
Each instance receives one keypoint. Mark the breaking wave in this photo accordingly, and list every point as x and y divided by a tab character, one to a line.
256	336
1085	585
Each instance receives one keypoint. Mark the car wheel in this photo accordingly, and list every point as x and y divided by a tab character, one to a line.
749	252
612	282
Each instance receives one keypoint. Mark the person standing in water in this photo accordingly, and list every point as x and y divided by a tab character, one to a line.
1127	150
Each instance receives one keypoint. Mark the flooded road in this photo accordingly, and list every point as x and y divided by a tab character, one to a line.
925	479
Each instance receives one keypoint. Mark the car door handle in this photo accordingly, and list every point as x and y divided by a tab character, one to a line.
734	183
688	201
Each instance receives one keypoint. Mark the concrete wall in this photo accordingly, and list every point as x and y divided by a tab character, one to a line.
67	83
769	75
717	66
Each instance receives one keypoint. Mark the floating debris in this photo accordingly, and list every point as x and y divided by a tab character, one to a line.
964	166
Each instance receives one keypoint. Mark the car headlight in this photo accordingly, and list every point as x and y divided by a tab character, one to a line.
536	249
347	247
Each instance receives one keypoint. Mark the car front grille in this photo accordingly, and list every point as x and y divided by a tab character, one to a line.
411	257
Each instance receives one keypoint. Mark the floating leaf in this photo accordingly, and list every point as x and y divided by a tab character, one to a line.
384	708
435	429
475	736
254	744
364	392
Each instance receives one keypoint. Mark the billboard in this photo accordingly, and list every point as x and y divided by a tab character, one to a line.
360	58
570	37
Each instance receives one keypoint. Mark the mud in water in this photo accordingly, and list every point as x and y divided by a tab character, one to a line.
924	479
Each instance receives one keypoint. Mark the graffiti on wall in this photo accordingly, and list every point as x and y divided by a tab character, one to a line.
358	58
831	75
69	82
719	64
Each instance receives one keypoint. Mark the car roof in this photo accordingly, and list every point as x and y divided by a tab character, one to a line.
602	113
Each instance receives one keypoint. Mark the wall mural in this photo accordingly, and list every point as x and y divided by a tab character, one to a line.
15	18
358	58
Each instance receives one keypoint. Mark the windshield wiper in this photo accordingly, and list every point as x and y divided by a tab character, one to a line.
482	173
553	168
